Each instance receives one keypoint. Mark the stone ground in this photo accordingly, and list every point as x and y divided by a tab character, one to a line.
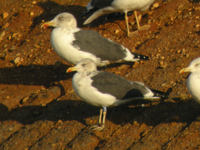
40	111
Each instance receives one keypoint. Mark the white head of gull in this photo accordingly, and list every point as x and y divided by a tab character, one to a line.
74	44
105	89
193	81
98	8
63	20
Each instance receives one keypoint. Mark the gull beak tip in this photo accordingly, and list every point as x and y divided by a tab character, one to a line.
44	25
68	70
71	69
47	24
184	70
181	71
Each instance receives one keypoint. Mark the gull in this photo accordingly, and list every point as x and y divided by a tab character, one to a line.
105	89
193	81
102	7
74	44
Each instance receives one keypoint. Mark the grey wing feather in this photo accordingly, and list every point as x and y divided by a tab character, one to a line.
117	86
92	42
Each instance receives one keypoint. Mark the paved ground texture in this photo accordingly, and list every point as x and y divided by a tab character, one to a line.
40	111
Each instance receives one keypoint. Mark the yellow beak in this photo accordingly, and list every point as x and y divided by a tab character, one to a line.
47	24
185	70
71	69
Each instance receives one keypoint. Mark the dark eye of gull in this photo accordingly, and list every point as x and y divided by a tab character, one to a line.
83	65
197	65
61	18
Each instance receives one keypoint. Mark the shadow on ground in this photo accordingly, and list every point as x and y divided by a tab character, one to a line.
76	110
34	74
51	9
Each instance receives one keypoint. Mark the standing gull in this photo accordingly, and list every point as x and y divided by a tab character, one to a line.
104	89
74	44
102	7
193	81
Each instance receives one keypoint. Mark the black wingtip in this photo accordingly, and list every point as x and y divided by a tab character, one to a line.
162	95
140	57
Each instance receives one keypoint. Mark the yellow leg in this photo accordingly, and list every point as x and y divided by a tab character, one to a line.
127	25
101	124
100	115
140	28
137	20
104	118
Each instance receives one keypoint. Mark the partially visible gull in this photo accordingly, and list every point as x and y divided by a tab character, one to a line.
74	44
104	89
102	7
193	81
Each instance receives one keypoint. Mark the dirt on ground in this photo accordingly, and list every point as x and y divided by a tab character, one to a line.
40	111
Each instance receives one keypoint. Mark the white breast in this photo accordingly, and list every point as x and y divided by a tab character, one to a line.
193	85
89	94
